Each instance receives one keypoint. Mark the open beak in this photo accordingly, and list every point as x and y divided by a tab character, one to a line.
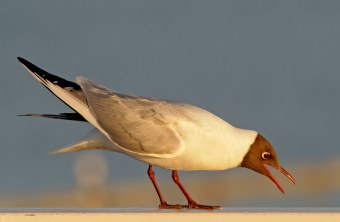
283	171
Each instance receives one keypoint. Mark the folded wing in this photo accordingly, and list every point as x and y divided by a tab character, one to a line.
133	123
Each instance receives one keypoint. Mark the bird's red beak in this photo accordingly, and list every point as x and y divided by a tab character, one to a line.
283	171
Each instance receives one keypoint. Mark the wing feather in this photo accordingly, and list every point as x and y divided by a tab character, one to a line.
133	123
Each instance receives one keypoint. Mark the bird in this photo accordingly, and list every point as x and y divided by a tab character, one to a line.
171	135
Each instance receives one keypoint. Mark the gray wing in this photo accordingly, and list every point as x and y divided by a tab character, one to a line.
138	125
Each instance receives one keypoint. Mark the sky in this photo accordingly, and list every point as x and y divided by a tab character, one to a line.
271	66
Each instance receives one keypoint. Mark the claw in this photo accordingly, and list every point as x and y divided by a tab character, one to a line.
199	206
189	206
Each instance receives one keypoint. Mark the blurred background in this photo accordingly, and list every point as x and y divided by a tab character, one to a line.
271	66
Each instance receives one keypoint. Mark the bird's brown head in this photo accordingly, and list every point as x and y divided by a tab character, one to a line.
260	155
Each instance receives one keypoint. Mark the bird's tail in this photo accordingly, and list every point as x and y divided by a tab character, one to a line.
92	140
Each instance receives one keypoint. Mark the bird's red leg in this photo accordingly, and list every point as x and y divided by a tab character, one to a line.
163	204
191	202
153	180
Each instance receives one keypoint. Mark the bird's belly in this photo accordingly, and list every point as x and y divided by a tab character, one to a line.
183	163
212	147
201	153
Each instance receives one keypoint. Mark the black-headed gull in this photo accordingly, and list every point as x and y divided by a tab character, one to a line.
171	135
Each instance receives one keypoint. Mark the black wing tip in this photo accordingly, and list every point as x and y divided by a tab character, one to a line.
31	115
64	116
22	60
48	76
29	65
23	115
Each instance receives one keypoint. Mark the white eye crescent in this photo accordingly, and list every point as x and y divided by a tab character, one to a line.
265	155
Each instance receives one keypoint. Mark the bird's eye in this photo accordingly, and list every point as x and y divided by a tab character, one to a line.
265	155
